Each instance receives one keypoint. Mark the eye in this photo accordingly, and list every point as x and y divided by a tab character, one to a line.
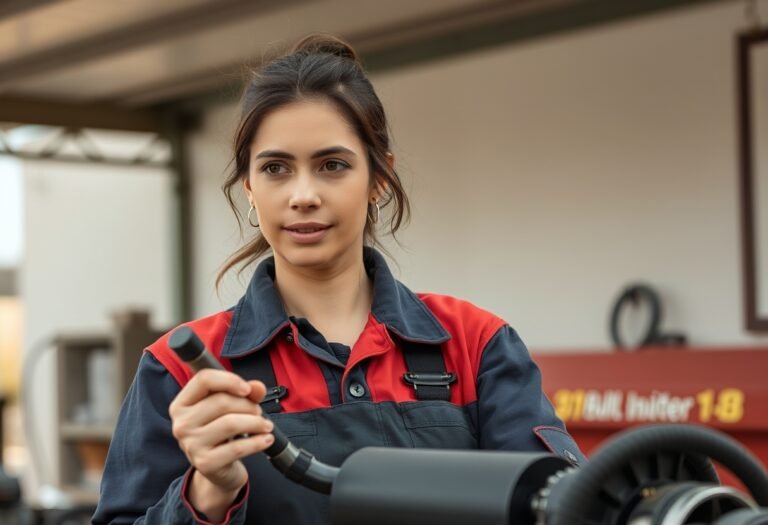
335	165
273	168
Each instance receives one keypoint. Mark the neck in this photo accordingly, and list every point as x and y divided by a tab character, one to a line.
343	292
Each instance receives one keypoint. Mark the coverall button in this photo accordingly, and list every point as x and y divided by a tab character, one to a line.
356	390
289	337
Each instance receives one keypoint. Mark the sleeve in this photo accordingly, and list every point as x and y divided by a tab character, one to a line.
146	473
513	412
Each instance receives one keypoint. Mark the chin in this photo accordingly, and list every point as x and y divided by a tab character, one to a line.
319	256
309	256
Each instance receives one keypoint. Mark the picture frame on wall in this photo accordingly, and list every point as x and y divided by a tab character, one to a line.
752	96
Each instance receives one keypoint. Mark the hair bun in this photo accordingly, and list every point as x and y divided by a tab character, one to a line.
326	43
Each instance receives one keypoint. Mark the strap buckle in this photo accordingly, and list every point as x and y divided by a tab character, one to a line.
417	379
276	393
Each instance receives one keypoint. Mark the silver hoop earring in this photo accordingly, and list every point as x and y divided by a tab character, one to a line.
378	213
250	221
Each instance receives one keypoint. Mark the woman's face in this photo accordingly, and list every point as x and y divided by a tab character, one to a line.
309	182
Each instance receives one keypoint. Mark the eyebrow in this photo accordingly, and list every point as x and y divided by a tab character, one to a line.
273	153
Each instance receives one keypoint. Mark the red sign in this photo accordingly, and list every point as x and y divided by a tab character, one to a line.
597	394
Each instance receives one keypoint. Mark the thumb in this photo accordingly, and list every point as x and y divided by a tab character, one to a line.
258	391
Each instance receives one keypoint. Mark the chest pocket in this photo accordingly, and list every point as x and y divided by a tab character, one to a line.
300	428
438	424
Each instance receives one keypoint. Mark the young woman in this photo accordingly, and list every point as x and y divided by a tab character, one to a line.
323	323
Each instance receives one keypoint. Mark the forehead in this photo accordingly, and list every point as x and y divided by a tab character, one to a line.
304	127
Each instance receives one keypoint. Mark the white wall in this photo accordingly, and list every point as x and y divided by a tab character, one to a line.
547	175
97	240
11	241
214	227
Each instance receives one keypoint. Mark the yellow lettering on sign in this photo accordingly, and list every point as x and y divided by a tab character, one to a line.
706	400
730	405
562	404
569	404
727	406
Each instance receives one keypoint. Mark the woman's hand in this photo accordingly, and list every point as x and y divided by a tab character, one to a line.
214	407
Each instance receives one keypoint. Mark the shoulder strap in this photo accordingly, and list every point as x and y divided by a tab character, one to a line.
426	371
259	366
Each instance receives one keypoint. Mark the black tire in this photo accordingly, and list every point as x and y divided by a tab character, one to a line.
577	499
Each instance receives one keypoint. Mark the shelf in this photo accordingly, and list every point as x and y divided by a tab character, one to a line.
82	446
84	339
86	432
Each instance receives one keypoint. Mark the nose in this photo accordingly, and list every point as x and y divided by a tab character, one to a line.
304	192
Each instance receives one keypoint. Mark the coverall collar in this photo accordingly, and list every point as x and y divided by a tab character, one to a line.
259	316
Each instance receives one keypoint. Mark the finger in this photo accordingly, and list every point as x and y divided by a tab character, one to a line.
215	406
209	380
229	426
230	451
258	391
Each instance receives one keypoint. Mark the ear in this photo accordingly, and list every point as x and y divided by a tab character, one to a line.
378	191
390	159
381	186
247	189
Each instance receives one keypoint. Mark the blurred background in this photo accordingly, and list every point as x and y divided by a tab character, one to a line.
556	153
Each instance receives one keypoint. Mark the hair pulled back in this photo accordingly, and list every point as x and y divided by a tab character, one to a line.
319	67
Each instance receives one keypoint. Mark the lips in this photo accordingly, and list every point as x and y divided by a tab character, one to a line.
308	232
307	227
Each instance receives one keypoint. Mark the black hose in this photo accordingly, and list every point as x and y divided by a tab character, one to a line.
300	466
652	335
295	463
577	497
633	294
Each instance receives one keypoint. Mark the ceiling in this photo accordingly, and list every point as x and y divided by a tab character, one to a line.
108	56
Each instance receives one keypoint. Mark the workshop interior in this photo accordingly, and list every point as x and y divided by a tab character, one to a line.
594	172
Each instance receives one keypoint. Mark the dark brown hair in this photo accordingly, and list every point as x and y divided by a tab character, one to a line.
325	67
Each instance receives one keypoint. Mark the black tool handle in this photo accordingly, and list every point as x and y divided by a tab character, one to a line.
287	458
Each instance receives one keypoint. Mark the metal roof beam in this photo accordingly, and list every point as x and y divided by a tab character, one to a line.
135	35
9	8
414	47
24	110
